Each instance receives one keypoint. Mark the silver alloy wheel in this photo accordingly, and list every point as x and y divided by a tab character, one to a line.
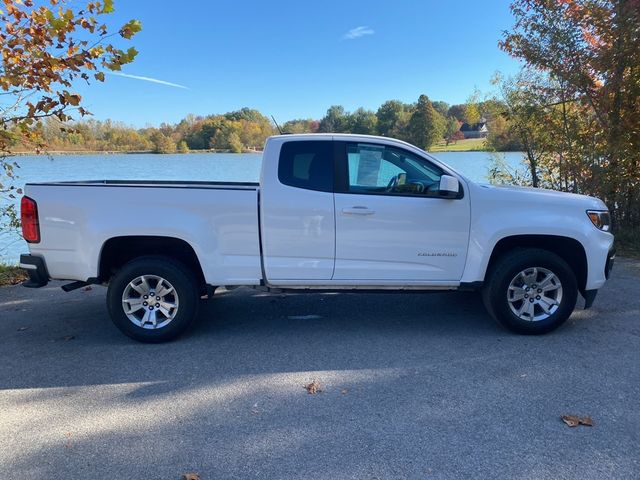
150	301
534	294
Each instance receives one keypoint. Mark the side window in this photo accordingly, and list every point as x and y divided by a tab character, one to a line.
307	164
387	170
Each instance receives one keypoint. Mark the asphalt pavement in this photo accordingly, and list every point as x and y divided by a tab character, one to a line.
422	386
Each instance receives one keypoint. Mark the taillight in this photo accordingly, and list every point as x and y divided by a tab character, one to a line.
29	218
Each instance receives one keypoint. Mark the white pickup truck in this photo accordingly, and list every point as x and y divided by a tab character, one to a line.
331	212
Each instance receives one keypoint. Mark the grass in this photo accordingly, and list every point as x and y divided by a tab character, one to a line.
468	145
10	275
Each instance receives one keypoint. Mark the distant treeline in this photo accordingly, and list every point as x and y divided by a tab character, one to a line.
423	123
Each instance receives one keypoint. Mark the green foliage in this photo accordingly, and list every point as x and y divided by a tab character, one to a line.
307	125
425	125
457	111
183	147
363	122
335	121
11	275
393	117
441	107
452	127
161	143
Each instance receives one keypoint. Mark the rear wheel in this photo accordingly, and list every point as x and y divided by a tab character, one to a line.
530	291
153	299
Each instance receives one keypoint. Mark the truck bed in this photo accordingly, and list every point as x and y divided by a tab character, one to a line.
218	220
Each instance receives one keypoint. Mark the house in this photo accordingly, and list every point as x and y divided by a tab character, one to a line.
475	130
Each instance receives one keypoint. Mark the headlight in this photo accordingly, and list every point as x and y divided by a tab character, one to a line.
601	219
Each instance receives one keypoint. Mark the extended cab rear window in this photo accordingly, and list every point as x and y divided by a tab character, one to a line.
307	164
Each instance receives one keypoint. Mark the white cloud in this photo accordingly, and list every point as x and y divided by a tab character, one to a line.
147	79
358	32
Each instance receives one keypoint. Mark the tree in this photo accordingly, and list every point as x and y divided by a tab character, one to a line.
162	143
441	107
471	110
452	127
183	147
457	111
363	122
589	54
301	126
425	126
334	121
391	115
45	49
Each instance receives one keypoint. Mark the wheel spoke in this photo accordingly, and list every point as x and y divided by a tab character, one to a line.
162	290
167	305
550	301
134	305
143	287
153	316
517	293
531	277
146	318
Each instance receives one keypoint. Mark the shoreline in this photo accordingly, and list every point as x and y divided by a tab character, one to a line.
200	152
119	152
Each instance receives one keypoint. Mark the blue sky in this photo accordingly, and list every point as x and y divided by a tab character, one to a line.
295	59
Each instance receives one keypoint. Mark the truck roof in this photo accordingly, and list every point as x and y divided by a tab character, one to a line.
343	136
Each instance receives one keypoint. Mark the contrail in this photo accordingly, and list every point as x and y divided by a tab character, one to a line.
147	79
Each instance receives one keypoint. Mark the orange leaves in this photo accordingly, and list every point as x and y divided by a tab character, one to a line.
44	51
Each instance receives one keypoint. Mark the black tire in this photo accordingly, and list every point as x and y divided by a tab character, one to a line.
506	268
181	279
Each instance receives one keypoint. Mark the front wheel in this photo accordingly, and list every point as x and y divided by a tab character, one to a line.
153	299
530	291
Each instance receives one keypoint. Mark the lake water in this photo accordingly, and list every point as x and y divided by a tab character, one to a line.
201	166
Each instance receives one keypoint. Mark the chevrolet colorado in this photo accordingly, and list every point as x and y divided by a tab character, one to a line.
331	212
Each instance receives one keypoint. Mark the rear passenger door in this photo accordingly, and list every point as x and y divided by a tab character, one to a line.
298	224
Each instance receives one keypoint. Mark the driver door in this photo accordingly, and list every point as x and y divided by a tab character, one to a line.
391	224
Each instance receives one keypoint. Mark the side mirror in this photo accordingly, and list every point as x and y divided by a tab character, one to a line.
449	186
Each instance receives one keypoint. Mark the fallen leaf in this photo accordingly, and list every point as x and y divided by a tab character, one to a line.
88	288
190	476
574	420
571	420
66	338
22	329
313	387
344	392
586	421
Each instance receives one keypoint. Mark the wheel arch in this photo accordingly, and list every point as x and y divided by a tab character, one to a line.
117	251
569	249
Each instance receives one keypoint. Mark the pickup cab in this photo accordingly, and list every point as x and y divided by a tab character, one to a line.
331	212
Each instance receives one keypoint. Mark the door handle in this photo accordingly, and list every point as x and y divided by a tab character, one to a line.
358	211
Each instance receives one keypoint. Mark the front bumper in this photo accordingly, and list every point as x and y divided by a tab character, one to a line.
37	269
590	295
